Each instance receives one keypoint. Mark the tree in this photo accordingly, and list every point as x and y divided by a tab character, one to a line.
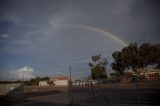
35	81
136	57
117	65
46	78
98	67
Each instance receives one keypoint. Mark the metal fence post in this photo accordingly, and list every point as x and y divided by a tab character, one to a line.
118	94
138	90
70	92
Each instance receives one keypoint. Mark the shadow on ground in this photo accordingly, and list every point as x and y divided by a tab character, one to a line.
8	101
43	104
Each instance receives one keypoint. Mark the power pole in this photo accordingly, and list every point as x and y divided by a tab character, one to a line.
23	77
70	73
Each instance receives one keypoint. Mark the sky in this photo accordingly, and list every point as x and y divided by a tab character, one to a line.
46	37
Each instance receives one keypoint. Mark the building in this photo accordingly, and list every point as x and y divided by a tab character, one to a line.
153	74
60	80
43	83
150	75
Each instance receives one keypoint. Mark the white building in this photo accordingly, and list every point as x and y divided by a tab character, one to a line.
60	80
43	83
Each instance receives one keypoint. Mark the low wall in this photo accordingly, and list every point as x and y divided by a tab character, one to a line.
12	90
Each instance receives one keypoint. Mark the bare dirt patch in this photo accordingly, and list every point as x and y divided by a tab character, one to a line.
33	91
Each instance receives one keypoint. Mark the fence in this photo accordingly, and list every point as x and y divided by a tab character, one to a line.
114	93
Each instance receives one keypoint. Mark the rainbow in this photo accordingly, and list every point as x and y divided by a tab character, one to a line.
106	33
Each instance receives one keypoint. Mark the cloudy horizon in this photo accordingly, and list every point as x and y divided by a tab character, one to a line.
49	36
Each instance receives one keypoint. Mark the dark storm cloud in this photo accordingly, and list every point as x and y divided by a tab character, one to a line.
146	14
42	33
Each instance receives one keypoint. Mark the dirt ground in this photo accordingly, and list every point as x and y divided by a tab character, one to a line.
38	95
33	91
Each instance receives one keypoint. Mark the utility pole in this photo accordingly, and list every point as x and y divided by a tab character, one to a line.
70	73
23	77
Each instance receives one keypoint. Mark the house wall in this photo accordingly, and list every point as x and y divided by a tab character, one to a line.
61	82
43	83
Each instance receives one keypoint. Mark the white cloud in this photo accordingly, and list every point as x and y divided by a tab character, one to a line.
23	73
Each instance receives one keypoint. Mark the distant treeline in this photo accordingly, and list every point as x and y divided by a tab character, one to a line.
31	82
35	81
10	82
